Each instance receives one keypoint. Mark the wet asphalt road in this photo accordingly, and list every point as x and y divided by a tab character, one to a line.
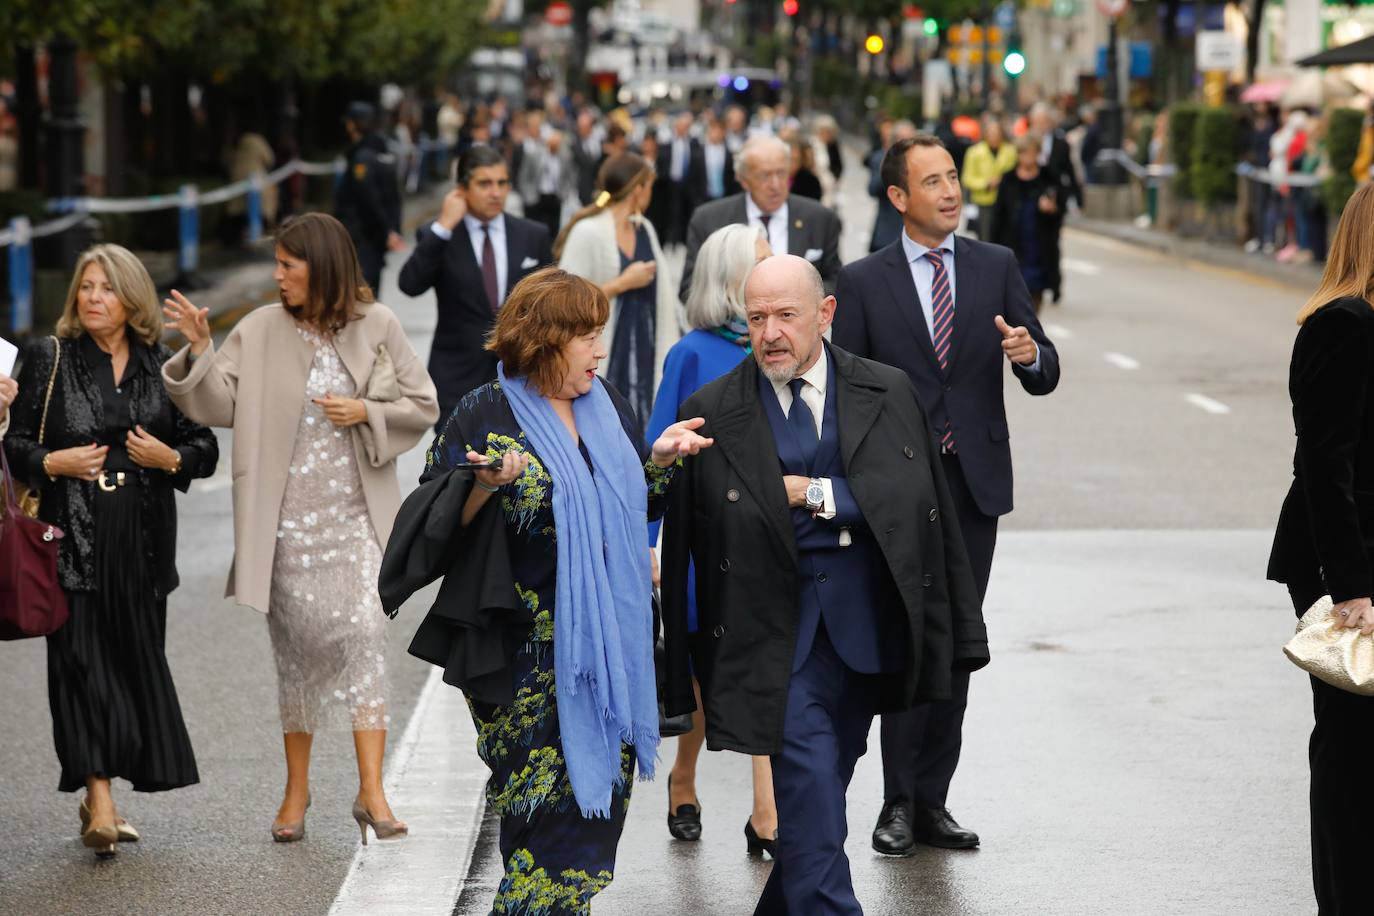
1136	746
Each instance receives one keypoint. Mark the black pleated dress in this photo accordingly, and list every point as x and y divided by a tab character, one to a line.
114	707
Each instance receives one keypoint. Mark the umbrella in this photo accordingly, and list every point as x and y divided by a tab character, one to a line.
1357	52
1268	91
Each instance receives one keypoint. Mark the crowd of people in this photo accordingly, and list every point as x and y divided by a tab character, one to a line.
785	470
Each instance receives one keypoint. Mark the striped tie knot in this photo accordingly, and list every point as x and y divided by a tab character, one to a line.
936	258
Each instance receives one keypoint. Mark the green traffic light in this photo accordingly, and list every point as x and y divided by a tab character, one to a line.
932	28
1014	63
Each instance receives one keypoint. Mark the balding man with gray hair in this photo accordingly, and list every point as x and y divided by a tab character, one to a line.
794	225
831	580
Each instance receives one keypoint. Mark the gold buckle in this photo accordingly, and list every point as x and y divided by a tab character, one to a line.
104	482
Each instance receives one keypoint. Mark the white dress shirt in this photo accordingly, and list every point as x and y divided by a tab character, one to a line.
813	395
777	226
923	275
682	154
715	154
497	230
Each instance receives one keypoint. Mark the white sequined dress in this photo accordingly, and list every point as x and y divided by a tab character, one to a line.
325	616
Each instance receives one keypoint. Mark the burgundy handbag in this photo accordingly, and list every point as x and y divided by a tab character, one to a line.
32	602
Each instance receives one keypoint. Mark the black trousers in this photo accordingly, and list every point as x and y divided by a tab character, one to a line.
921	745
1342	742
371	258
549	211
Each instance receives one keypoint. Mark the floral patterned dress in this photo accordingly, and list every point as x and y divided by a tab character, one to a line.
555	859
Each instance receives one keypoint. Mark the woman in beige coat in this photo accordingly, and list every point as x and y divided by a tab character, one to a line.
611	244
323	392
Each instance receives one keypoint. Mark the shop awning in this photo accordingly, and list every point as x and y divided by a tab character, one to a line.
1357	52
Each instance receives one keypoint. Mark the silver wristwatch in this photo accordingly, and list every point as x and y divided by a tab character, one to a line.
815	495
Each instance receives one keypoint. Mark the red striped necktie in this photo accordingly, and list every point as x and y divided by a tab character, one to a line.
942	325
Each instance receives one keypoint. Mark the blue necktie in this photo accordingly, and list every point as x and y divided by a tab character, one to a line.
803	424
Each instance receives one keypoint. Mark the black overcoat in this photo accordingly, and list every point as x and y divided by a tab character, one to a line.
728	512
1325	533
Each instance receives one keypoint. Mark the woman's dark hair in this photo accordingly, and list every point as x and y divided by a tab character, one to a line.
477	157
616	180
336	280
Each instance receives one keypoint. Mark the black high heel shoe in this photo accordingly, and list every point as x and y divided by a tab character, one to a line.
685	822
757	845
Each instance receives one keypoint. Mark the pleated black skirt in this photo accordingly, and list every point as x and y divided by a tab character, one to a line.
114	707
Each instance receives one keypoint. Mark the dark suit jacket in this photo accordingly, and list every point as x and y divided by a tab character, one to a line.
458	361
697	185
879	316
1061	164
887	225
728	512
1326	527
811	227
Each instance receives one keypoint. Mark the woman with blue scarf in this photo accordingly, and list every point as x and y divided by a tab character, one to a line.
715	308
575	486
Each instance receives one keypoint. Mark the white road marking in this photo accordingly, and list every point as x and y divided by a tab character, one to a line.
1086	268
435	783
1205	403
1057	330
1121	361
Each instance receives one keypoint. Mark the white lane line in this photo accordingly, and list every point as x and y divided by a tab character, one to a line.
1121	361
435	783
1086	268
1205	403
1057	330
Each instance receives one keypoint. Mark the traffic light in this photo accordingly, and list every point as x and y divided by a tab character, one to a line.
931	27
873	44
1014	62
790	7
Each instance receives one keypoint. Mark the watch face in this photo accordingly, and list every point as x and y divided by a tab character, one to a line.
815	495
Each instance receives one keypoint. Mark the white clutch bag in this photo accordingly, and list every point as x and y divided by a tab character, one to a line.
1340	656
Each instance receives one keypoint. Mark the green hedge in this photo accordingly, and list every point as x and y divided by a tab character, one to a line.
1212	159
1183	119
1343	129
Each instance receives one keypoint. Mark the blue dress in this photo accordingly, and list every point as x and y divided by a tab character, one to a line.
698	358
631	368
555	859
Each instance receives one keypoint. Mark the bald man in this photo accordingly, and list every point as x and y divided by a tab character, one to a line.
832	582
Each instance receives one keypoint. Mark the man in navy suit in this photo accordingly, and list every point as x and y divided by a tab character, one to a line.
471	256
948	311
831	579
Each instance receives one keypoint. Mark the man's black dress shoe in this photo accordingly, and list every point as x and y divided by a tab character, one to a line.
937	827
685	822
892	836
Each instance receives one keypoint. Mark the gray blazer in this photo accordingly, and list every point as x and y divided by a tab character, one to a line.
812	228
532	168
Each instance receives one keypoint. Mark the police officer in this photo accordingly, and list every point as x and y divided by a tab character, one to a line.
368	198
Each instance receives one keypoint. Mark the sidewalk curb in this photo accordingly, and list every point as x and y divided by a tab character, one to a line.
1302	276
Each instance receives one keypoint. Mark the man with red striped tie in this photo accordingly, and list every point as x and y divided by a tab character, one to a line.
948	311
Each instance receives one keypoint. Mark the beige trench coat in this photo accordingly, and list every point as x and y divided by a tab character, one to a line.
255	384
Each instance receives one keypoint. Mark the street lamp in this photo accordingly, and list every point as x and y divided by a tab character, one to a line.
1110	171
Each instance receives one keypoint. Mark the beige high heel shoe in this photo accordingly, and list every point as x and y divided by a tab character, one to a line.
385	830
104	840
126	831
290	833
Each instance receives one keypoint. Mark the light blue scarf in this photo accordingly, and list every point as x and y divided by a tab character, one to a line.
602	642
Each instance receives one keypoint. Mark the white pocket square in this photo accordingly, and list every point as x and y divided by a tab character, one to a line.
813	254
528	263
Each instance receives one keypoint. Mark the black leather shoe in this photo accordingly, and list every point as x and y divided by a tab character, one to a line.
892	836
937	827
685	822
756	845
